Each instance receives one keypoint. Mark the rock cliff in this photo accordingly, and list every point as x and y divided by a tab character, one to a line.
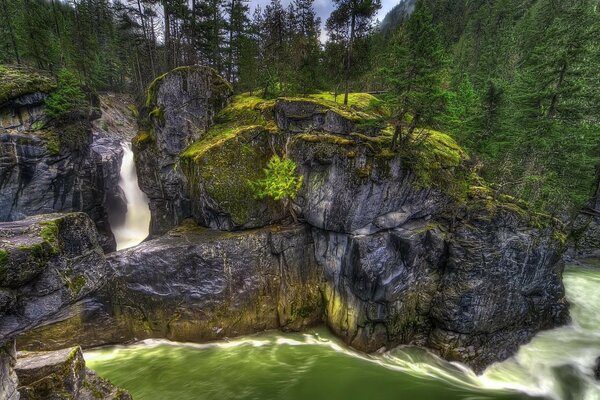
46	167
48	263
390	247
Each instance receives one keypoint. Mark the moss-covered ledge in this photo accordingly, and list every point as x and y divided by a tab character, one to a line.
20	81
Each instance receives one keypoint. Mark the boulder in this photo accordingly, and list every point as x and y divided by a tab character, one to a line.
47	262
196	284
61	374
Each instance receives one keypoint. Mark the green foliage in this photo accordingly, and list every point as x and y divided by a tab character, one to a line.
414	73
67	99
280	182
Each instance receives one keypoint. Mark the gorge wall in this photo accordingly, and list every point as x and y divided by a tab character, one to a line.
406	247
47	166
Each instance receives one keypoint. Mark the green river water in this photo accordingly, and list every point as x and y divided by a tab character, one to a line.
557	364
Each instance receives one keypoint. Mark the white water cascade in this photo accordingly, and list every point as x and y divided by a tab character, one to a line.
137	220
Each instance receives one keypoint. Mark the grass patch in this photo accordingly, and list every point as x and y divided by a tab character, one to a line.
325	138
363	102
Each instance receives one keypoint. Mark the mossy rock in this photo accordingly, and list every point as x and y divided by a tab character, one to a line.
219	84
219	171
17	82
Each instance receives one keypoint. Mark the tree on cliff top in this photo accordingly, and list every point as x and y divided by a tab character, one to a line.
414	74
351	20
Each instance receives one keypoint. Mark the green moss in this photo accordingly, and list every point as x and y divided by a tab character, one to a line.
325	138
19	82
323	105
158	114
4	258
437	161
50	234
363	102
76	284
143	138
224	163
53	144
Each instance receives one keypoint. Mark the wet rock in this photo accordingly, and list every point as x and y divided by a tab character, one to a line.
50	375
361	194
196	284
47	262
473	290
379	288
62	374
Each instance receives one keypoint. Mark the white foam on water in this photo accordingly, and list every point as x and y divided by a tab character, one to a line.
137	220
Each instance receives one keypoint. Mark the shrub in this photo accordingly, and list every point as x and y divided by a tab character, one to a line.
280	182
67	99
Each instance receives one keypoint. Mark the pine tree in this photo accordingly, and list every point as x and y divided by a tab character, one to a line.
351	20
415	75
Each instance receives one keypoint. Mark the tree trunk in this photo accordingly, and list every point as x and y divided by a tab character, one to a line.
349	55
167	35
230	50
555	98
10	31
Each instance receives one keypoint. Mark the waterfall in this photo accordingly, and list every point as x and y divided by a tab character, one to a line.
137	220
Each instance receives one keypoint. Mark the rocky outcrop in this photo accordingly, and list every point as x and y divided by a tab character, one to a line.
181	106
196	284
47	168
22	95
47	263
473	290
405	247
62	374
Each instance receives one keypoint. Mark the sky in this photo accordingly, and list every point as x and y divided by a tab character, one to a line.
324	7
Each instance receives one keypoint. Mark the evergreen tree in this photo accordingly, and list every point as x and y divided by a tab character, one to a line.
414	74
351	20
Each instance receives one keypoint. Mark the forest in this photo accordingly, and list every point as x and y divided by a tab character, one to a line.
515	82
300	199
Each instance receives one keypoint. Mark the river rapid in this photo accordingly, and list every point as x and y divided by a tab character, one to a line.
556	364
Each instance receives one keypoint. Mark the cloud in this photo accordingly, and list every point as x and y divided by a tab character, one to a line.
324	7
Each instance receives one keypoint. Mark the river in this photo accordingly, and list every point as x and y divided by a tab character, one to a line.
314	365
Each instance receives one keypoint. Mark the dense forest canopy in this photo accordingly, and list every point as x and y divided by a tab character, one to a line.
514	81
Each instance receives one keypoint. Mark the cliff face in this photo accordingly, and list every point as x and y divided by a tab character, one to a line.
48	168
586	228
181	105
391	248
